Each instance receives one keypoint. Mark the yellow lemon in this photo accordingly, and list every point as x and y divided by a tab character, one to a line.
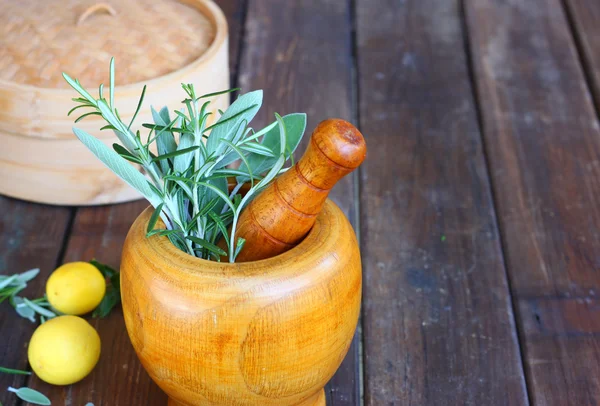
75	288
64	350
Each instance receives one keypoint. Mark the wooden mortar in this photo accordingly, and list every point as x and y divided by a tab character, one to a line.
269	332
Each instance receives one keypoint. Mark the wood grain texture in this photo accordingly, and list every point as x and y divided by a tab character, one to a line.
584	16
235	10
438	323
270	332
300	53
283	214
31	236
543	143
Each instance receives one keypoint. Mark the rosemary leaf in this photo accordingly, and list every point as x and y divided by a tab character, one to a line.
126	154
175	153
154	217
239	246
258	149
111	75
204	96
221	225
209	246
14	371
137	110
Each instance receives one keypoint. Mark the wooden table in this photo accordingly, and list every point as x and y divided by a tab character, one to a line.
478	207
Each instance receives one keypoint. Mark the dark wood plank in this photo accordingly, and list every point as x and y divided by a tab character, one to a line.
300	53
438	322
235	10
543	144
31	236
584	16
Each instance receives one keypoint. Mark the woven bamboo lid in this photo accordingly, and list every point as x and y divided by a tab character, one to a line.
161	43
148	38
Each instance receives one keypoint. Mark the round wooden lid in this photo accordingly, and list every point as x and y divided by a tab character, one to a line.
148	38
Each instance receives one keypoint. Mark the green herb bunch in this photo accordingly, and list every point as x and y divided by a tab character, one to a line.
187	162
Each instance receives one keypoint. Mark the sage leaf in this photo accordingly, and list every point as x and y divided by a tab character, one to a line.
162	117
232	156
224	128
39	309
118	165
22	309
28	275
227	160
242	157
182	162
8	281
295	126
165	141
31	396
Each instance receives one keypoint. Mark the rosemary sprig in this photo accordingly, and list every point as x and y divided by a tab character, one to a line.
186	160
12	285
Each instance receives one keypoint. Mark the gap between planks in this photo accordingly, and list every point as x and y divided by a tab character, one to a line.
585	65
356	177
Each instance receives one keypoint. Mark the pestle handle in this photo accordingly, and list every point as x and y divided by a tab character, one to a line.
283	213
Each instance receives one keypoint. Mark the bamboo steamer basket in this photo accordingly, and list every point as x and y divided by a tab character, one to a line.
160	43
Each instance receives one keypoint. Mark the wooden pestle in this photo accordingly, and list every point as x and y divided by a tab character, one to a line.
282	214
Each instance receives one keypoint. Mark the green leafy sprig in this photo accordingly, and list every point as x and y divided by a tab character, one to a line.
11	285
187	159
